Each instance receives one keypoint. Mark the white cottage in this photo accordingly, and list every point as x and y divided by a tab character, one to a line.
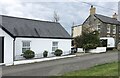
20	34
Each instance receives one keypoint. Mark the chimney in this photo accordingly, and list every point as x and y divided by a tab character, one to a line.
115	16
92	10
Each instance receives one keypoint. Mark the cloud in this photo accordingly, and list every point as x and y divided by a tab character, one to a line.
69	12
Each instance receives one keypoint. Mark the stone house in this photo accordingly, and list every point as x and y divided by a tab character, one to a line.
106	26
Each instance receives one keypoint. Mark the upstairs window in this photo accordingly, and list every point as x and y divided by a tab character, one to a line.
114	29
98	27
25	45
108	28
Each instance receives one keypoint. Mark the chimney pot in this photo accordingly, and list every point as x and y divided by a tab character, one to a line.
115	15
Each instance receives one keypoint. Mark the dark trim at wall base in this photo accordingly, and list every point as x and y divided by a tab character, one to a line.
42	37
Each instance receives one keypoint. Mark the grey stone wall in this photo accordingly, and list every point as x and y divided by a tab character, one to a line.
118	46
93	22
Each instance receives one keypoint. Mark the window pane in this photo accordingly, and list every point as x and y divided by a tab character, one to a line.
25	49
55	43
26	43
54	48
98	26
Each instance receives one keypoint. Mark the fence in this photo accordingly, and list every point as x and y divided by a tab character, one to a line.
40	55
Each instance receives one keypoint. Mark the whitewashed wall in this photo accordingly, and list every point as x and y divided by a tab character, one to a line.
80	50
8	47
38	45
98	50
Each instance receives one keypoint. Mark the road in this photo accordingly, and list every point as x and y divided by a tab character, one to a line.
61	66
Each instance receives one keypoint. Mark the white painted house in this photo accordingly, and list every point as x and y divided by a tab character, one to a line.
20	34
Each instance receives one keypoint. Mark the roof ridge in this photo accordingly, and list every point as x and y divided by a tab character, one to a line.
28	19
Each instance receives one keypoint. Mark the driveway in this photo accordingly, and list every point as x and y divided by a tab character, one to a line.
61	66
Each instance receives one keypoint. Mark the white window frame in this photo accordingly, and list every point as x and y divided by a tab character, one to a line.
54	46
114	29
26	45
98	27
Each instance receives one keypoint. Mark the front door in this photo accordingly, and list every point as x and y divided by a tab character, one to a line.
1	49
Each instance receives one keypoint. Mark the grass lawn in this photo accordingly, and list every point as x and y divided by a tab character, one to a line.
110	69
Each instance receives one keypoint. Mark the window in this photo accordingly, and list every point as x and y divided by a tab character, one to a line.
114	29
108	28
98	27
25	46
54	46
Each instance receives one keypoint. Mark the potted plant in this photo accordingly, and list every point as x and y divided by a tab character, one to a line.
58	52
45	53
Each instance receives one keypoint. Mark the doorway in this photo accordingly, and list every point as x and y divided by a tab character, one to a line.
1	49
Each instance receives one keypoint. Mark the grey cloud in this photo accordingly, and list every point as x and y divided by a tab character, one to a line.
69	12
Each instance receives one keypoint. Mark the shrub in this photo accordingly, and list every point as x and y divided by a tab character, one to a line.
58	52
90	46
28	54
45	53
88	40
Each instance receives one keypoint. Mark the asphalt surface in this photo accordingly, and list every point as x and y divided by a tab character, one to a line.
61	66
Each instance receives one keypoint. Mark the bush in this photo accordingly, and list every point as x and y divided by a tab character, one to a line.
88	40
28	54
45	53
58	52
90	46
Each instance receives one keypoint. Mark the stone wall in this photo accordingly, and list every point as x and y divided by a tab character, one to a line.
118	46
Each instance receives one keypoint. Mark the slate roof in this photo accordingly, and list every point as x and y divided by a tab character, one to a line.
106	19
22	27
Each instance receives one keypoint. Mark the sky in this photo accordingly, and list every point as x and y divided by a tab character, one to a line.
69	11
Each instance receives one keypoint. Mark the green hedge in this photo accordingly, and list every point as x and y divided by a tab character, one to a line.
58	52
28	54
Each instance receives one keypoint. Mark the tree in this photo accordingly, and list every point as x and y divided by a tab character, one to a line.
56	17
88	29
88	40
